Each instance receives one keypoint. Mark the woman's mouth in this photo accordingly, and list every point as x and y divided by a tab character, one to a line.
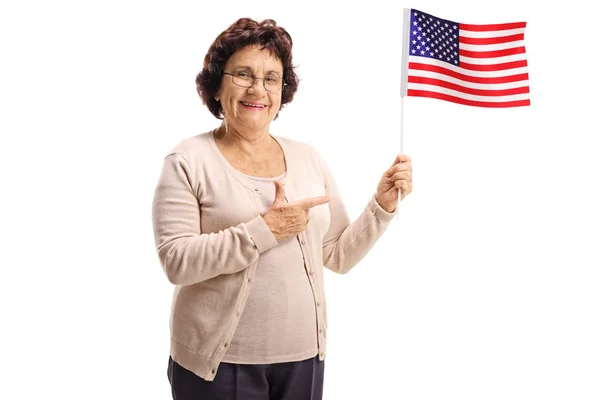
253	106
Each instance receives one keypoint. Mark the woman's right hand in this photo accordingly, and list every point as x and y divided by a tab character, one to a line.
289	219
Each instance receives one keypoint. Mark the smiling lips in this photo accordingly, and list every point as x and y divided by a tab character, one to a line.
251	105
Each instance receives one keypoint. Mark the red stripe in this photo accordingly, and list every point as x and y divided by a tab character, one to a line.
494	67
468	90
453	99
467	78
491	40
492	27
492	54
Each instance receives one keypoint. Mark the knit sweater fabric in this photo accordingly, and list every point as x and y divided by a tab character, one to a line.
210	235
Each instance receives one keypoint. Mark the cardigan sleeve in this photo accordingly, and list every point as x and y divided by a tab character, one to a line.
187	255
346	243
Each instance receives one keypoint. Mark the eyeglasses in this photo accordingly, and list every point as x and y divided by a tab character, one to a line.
246	80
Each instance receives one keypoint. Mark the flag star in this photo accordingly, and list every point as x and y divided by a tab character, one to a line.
414	42
441	56
414	51
418	37
423	43
422	53
415	23
414	32
427	48
454	27
446	24
415	14
420	28
455	62
431	54
418	47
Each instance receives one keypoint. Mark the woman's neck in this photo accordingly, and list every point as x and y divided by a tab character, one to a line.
249	144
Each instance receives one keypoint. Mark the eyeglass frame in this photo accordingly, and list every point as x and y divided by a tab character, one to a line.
284	83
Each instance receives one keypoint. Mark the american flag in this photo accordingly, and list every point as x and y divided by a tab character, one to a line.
476	65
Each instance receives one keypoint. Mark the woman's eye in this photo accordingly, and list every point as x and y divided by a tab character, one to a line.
244	75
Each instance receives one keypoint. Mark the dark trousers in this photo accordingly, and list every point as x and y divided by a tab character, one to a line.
298	380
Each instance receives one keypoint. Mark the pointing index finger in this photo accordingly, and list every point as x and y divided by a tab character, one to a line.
313	201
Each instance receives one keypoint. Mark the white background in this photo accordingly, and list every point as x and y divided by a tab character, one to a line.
486	286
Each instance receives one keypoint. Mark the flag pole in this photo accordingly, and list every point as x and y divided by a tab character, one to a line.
401	142
403	81
401	123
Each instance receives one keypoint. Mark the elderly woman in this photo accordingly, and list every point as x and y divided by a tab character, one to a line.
244	222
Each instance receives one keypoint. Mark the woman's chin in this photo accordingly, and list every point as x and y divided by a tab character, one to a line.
252	124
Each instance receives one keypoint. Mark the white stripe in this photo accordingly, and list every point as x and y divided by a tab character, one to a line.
487	34
492	47
489	99
472	85
495	60
494	74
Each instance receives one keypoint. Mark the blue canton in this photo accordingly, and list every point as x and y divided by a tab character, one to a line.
433	37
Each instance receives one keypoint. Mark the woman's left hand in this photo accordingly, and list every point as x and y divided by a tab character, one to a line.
398	176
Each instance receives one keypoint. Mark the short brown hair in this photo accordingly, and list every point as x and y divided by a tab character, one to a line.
245	32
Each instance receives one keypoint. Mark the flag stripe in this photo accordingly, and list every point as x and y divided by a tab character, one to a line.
491	40
494	67
429	64
507	82
460	100
469	90
493	27
489	34
491	54
491	47
468	96
487	61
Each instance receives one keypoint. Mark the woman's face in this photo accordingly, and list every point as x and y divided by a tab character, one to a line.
253	108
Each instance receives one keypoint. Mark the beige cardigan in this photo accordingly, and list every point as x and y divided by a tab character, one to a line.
209	235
